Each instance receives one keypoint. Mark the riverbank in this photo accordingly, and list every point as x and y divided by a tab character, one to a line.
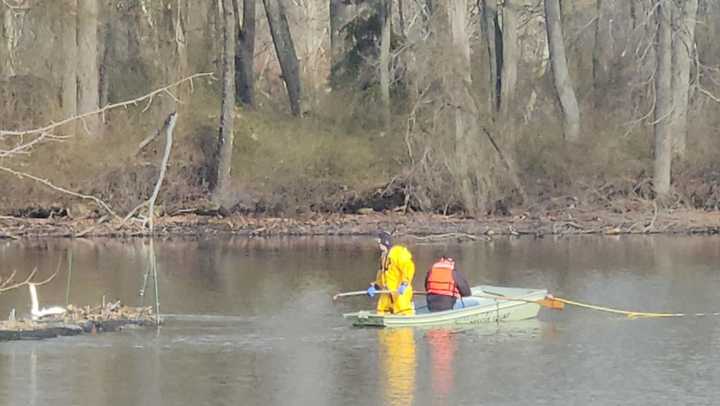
566	221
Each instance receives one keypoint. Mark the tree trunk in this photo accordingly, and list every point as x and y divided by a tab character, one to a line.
597	53
663	101
561	76
69	44
285	49
460	81
213	33
11	33
427	8
401	19
384	14
245	58
490	30
683	45
225	142
510	55
88	73
181	47
339	15
109	28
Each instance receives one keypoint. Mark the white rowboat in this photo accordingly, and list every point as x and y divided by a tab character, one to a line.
488	304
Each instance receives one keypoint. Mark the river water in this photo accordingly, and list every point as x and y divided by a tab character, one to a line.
252	322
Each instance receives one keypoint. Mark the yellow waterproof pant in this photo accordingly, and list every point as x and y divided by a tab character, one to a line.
392	303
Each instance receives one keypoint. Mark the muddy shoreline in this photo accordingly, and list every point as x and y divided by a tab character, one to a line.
419	226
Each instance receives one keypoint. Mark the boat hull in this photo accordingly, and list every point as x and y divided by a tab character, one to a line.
488	304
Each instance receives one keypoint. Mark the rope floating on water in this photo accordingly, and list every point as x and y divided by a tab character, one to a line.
631	314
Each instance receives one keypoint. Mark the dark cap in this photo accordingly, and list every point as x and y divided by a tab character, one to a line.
384	238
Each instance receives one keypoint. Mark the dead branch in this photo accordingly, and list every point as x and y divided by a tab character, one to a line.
570	224
7	281
652	222
146	141
84	232
447	236
20	284
132	213
631	229
708	94
4	285
134	102
60	189
169	126
24	147
51	277
6	234
154	135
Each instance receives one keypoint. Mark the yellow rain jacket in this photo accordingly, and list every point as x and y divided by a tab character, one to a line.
397	267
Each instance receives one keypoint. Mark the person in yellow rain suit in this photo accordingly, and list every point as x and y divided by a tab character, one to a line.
396	275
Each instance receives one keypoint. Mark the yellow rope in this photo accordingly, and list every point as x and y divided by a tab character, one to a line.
630	314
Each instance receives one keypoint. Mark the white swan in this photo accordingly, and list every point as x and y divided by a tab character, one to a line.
38	313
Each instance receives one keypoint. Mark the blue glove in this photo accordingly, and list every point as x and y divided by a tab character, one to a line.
401	288
371	291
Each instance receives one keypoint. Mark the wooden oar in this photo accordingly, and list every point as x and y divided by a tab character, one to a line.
364	292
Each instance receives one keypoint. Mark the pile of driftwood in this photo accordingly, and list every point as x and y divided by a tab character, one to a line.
78	320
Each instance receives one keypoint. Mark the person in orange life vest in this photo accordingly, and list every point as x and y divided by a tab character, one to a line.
396	274
444	285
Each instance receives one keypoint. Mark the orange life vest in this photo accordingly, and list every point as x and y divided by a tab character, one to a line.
440	280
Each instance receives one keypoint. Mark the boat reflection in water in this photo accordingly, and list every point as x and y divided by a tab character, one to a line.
442	345
398	362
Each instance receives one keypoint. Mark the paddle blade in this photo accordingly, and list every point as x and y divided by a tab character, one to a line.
551	303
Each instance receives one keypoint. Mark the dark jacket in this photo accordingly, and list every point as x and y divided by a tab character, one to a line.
437	303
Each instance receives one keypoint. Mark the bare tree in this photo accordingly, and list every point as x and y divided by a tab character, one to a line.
180	31
12	23
597	51
213	31
285	49
663	100
339	16
401	19
490	28
465	117
384	13
226	138
683	45
108	30
563	84
245	57
69	44
510	54
88	83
